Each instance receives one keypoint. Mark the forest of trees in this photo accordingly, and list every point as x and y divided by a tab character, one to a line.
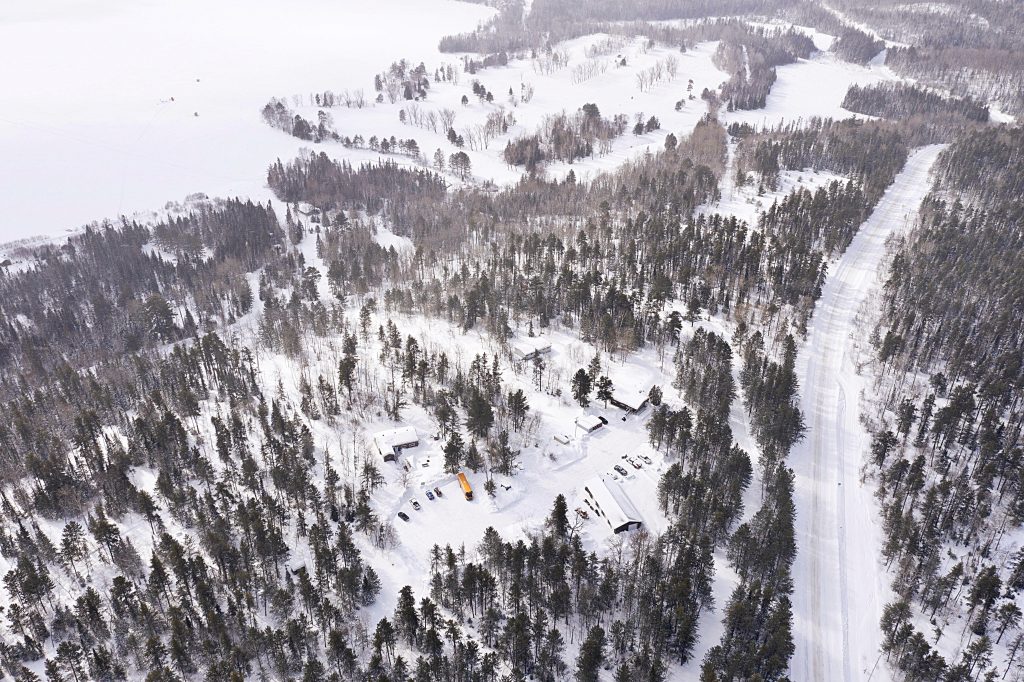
186	494
947	451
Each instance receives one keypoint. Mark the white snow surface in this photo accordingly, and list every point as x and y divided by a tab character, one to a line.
840	585
88	128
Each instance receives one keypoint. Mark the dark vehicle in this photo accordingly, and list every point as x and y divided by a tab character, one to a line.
621	470
430	495
437	491
403	516
416	505
603	420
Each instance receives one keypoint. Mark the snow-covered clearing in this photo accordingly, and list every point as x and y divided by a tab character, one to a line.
811	88
600	79
162	98
840	584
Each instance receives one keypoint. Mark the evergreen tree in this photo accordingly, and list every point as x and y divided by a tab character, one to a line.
581	386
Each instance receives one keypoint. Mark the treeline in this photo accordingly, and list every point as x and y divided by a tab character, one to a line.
901	101
526	599
327	184
947	448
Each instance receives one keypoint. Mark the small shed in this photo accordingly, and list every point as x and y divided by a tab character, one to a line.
589	422
390	443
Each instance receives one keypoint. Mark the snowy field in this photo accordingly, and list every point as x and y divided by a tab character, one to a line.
99	135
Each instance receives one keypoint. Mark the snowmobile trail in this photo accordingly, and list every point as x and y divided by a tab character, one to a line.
840	586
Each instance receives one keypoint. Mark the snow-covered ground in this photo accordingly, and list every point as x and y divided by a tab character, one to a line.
811	88
148	101
609	84
840	583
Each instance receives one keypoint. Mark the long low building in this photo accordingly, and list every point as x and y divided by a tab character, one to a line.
611	503
529	347
391	442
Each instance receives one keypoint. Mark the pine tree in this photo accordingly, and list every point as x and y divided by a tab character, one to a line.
588	663
453	453
517	408
604	389
559	518
479	415
474	462
581	386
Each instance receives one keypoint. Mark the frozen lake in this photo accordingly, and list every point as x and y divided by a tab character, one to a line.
89	130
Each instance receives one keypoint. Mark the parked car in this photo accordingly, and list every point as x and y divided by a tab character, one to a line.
403	516
647	459
437	491
430	495
416	505
622	470
603	420
635	464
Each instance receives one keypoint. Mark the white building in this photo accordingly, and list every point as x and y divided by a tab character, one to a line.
529	347
611	504
631	387
391	442
589	422
630	398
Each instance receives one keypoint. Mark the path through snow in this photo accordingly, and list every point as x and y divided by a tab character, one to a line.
840	586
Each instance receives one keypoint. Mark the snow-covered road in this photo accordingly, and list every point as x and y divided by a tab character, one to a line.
839	583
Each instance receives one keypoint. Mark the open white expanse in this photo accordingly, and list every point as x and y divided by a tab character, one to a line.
840	584
88	129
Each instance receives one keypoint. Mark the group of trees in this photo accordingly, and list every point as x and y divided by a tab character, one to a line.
566	138
854	45
903	102
869	152
527	598
277	114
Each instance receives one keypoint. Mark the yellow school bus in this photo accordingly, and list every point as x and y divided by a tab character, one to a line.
467	490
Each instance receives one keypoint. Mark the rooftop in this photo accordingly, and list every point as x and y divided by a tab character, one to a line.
613	502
